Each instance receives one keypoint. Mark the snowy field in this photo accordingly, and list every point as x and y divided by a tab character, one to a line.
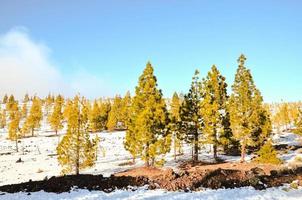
141	193
39	160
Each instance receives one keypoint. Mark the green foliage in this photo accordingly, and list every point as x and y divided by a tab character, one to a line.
250	122
115	114
190	124
268	155
77	150
147	135
213	110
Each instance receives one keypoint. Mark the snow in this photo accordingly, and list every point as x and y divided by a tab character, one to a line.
142	193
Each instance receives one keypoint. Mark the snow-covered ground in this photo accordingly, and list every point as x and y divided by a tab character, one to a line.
142	193
39	160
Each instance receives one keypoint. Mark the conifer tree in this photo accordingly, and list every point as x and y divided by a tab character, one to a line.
247	113
34	118
298	124
10	103
95	117
26	98
5	98
125	110
213	110
190	115
115	114
13	126
147	133
105	107
175	118
55	119
77	150
3	119
49	100
268	155
24	110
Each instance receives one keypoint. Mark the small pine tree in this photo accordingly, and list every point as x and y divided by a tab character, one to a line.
147	133
26	98
55	119
298	124
13	126
115	114
10	103
34	118
77	151
3	119
125	110
24	110
268	155
95	117
5	98
191	118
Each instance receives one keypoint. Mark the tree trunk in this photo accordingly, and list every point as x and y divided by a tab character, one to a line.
133	160
32	132
215	152
17	149
147	155
195	147
174	148
243	146
56	132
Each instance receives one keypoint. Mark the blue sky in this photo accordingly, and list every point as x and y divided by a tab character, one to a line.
111	41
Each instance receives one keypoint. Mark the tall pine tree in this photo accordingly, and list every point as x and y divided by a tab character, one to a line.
55	119
213	110
247	113
147	133
190	115
34	118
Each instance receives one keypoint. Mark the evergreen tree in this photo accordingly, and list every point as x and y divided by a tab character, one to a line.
125	110
49	100
10	103
26	98
105	107
114	117
190	115
34	118
55	119
268	155
96	118
247	113
77	150
5	98
147	133
13	126
174	120
3	119
213	110
298	124
24	110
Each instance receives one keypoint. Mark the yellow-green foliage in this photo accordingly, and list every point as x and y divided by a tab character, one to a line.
34	118
115	113
268	155
13	126
147	134
77	150
3	118
55	119
298	124
250	121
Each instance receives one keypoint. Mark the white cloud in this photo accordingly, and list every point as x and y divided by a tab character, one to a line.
25	67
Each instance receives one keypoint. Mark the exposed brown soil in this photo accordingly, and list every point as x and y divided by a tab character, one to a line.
190	178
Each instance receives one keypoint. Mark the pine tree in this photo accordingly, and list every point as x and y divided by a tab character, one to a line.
55	119
114	117
13	126
24	110
49	100
96	118
77	151
26	98
34	118
174	120
10	103
213	110
247	113
5	98
268	155
191	118
3	119
105	107
147	133
298	124
125	110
